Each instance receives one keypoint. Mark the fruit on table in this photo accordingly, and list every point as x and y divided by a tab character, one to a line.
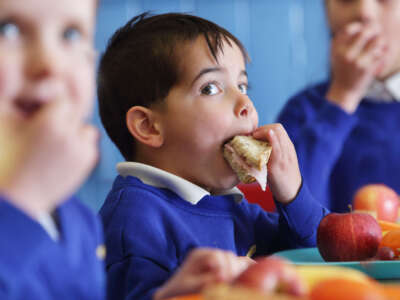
348	237
392	240
230	292
272	274
312	275
385	253
188	297
378	199
386	225
345	289
391	291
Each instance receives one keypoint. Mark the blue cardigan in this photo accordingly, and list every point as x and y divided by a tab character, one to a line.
33	266
339	152
149	231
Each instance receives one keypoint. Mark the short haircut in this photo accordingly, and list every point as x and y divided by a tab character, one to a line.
140	66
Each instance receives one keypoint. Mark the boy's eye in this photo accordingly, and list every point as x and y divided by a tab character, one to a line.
9	30
72	34
243	88
210	89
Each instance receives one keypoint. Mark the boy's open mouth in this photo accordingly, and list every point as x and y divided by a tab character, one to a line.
231	138
28	107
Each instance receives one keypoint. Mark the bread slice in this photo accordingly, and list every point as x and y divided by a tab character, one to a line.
248	157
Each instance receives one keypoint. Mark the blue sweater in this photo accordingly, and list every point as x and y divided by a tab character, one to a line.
33	266
339	152
149	231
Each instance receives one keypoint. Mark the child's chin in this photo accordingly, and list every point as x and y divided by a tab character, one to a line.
229	182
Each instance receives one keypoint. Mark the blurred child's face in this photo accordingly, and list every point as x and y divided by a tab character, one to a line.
46	54
207	107
382	14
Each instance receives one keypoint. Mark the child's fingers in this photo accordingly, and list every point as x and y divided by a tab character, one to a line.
202	260
243	262
349	32
261	133
373	56
224	265
363	40
276	135
234	265
197	284
275	144
377	44
344	37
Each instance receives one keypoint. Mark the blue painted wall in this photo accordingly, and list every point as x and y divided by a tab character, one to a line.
287	41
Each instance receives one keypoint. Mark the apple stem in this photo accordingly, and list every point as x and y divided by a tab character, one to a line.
350	208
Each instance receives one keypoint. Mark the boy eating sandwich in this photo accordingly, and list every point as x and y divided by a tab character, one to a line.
172	92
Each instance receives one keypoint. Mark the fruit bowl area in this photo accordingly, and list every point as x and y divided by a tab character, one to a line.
276	278
363	235
357	258
379	269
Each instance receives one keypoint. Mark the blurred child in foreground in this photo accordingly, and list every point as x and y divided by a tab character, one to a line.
52	245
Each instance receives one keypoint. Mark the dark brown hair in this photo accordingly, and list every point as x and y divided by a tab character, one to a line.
140	66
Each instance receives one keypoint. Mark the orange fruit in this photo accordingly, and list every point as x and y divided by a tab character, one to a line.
391	291
387	226
188	297
392	240
345	289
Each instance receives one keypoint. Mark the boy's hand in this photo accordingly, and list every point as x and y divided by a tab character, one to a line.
284	176
357	56
203	267
46	157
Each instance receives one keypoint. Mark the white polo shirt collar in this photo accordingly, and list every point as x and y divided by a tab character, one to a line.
385	91
159	178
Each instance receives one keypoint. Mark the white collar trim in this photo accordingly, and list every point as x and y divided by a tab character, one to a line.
385	91
393	86
159	178
49	225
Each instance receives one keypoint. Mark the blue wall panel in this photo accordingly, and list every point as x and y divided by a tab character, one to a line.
287	41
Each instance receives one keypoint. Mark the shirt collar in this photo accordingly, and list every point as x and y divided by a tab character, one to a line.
49	225
385	91
159	178
393	85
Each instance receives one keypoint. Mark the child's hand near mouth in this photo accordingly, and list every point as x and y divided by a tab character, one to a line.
357	57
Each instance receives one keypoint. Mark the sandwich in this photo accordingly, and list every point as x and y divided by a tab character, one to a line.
248	158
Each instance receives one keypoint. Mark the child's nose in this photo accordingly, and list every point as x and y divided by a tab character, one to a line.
244	107
42	61
366	11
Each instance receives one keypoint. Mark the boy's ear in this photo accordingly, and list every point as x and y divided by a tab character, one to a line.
144	125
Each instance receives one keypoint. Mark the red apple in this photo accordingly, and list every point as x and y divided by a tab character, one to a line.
379	199
272	274
348	237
